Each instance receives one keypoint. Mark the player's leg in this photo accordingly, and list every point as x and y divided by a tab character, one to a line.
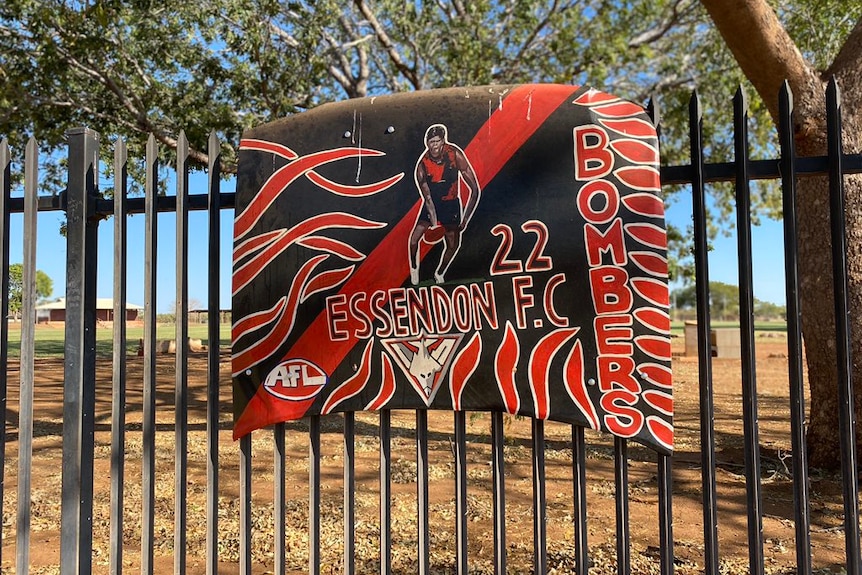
415	236
452	238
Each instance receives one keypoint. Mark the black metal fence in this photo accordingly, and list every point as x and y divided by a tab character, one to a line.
172	467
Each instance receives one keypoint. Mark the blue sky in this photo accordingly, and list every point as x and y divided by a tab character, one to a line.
767	239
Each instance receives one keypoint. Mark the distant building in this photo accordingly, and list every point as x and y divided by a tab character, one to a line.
56	310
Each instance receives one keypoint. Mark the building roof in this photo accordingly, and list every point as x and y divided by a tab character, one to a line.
101	303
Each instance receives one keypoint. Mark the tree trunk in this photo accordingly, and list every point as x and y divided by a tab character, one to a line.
816	272
767	56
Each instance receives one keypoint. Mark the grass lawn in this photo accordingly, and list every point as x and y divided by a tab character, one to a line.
50	339
678	327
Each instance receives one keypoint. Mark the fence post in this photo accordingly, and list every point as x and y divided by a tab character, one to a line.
76	537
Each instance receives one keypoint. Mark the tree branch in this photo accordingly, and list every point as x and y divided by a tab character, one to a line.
763	49
680	8
282	34
848	62
534	33
382	37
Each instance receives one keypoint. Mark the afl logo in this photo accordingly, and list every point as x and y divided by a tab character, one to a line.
295	380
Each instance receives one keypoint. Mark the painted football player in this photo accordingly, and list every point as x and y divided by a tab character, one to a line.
438	173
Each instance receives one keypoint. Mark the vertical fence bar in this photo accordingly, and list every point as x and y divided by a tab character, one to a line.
314	495
79	383
460	492
279	498
245	505
214	334
621	478
385	492
746	318
181	391
118	382
148	463
704	352
579	486
540	518
5	193
665	462
28	349
665	513
846	413
801	502
422	526
498	471
349	493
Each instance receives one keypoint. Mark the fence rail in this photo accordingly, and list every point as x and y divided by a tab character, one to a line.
84	208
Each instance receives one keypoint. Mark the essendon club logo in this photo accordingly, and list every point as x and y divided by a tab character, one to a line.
424	360
295	380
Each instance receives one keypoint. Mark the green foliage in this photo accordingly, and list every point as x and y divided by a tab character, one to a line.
724	303
44	287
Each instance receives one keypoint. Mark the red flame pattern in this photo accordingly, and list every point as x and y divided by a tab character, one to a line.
265	146
661	430
255	243
634	127
657	374
245	273
351	386
654	291
644	178
335	247
648	234
651	263
326	280
353	191
593	97
655	319
540	363
257	320
267	345
661	401
619	109
463	367
281	179
505	366
654	346
387	385
573	377
644	205
635	151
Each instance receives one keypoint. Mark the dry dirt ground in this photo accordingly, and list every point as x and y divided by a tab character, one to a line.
778	532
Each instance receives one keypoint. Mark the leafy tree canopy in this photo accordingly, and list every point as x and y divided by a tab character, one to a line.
44	286
132	68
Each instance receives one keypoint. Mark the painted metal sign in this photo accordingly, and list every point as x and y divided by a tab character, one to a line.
489	248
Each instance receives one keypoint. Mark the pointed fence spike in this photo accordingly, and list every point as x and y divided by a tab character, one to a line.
5	157
742	97
833	91
786	92
654	110
182	151
694	106
121	153
182	143
213	151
